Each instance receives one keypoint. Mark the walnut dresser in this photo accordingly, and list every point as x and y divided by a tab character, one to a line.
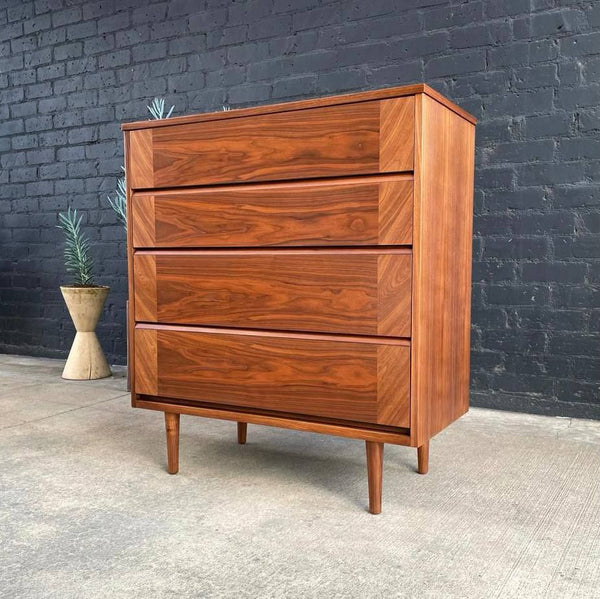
305	265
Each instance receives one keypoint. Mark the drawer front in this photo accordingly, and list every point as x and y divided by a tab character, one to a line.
349	139
355	292
347	380
347	212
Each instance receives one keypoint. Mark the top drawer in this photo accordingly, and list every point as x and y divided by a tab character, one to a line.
349	139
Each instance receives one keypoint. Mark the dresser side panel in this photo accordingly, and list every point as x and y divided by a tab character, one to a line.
130	305
442	249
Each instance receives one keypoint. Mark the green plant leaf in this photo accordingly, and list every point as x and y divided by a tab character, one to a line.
77	248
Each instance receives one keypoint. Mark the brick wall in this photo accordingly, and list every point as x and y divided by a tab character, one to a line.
71	71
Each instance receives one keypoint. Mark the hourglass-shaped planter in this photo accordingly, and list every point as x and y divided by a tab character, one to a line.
86	359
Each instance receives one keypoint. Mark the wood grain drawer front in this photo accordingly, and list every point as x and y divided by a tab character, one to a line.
348	212
362	381
348	139
338	291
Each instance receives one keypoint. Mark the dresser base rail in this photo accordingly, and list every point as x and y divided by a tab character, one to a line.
402	437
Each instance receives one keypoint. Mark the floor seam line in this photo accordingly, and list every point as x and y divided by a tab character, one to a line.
64	412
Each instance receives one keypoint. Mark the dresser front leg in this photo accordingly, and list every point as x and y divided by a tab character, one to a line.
374	475
242	429
423	458
172	427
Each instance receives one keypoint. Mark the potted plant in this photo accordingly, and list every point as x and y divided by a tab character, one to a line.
85	301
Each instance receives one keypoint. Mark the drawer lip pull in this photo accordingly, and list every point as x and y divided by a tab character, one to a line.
275	184
377	340
248	251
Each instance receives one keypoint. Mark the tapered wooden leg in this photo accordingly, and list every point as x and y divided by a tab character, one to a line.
242	430
374	475
423	458
172	426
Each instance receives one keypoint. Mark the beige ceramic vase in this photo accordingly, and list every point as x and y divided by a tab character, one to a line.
86	359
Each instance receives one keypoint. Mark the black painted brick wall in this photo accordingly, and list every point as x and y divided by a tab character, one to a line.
71	71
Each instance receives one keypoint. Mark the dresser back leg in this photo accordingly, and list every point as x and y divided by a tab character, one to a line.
242	429
172	427
423	458
374	475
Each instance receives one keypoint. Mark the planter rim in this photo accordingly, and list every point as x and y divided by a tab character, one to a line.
86	288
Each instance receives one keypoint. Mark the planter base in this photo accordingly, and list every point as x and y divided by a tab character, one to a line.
86	359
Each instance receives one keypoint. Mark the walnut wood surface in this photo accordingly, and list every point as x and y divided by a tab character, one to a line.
145	356
316	376
374	475
442	241
172	430
320	142
141	165
242	430
353	292
370	211
423	458
146	285
397	125
377	94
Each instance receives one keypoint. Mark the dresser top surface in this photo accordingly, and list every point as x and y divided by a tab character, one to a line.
379	94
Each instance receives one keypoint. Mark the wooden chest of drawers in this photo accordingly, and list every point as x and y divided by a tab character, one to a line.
305	265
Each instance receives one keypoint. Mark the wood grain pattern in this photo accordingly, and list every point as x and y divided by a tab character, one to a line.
365	96
321	142
141	166
144	218
299	423
318	376
392	367
146	283
370	211
441	268
397	134
396	212
146	360
393	295
352	292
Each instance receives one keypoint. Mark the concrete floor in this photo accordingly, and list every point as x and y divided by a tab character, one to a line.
510	507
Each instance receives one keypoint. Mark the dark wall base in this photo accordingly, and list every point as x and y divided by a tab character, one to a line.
536	405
